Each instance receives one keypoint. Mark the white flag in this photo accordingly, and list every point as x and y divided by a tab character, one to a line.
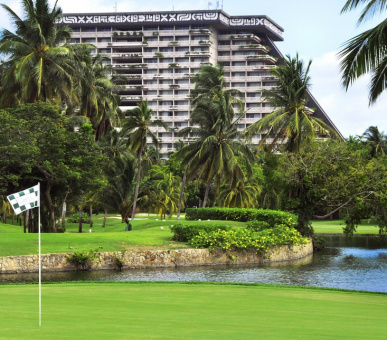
25	200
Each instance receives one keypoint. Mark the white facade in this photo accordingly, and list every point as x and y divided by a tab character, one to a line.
158	54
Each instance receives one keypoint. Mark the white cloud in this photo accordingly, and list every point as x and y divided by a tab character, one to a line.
349	110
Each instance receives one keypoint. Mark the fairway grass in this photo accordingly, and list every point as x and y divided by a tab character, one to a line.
189	311
149	232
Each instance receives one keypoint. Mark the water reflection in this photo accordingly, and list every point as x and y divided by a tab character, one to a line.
347	268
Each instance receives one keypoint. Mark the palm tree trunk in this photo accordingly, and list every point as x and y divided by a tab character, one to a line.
80	220
181	193
64	207
25	224
104	219
91	216
206	193
138	183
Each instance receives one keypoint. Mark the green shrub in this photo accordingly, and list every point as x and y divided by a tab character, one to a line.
272	217
244	239
82	260
74	218
257	225
183	233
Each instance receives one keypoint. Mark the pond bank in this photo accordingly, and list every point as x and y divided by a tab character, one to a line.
154	259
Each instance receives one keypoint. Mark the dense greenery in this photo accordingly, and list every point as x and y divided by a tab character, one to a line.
184	233
57	99
245	239
271	217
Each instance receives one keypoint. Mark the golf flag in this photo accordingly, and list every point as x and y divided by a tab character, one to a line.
25	200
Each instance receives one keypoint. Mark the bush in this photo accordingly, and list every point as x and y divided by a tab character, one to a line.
74	218
82	260
257	225
183	233
244	239
272	217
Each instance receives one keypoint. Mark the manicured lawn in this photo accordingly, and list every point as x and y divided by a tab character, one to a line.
336	227
189	311
146	232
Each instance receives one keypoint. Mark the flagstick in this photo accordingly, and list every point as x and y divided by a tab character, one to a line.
40	268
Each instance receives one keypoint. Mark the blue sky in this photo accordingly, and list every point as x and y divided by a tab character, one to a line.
313	29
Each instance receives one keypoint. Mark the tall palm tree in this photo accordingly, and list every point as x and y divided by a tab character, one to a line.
366	52
214	110
99	98
376	140
136	128
37	66
291	122
218	151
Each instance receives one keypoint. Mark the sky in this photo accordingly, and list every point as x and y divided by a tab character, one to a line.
314	29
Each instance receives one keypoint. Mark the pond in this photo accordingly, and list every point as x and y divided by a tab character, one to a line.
342	264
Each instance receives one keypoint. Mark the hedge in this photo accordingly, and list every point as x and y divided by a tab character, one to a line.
183	233
272	217
244	239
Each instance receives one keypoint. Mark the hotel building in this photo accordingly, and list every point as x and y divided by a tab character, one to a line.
158	53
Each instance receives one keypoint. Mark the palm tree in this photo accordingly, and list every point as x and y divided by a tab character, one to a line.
242	195
218	151
37	66
98	98
292	121
366	52
136	128
376	140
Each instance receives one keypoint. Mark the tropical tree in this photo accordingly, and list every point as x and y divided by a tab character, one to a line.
37	65
366	52
99	98
376	140
120	174
160	191
291	122
215	153
136	128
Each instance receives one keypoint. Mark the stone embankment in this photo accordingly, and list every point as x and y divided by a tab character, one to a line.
154	259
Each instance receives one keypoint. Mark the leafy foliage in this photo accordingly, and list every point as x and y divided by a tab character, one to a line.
272	217
244	239
184	233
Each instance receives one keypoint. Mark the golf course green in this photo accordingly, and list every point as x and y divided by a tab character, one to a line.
96	310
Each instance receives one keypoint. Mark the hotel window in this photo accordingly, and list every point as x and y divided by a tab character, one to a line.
166	38
238	74
166	28
88	29
166	49
239	63
166	60
182	38
88	40
75	40
104	40
182	28
150	61
151	28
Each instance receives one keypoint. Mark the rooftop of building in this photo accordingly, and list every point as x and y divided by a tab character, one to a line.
217	18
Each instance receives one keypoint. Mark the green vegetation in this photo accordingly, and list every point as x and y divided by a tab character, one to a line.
190	311
272	217
146	233
245	239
